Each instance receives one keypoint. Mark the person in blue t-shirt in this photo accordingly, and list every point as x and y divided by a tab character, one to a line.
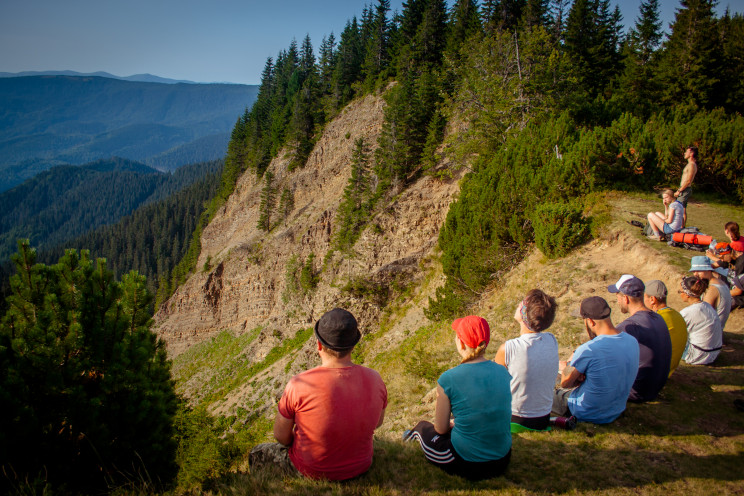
477	393
595	384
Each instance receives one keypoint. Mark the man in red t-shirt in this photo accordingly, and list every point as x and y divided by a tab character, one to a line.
327	415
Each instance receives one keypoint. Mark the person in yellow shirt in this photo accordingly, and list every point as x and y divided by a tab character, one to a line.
655	298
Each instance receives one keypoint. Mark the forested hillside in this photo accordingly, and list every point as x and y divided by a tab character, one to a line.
57	120
68	201
555	100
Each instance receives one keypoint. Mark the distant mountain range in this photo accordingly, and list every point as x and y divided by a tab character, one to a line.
142	78
49	120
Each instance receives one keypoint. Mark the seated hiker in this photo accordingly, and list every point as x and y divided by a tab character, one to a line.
719	255
732	231
718	293
737	289
328	414
704	333
477	443
671	221
596	382
655	298
652	335
532	361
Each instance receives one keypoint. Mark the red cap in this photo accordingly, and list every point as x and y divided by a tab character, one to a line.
722	248
472	330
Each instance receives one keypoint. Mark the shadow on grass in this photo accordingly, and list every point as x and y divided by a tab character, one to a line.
557	462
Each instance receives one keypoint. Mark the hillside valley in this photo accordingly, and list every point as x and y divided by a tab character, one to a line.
55	120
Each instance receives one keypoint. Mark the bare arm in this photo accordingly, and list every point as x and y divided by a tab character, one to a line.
283	429
711	296
501	355
442	412
571	377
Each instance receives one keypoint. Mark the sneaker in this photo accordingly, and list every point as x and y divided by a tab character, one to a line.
654	237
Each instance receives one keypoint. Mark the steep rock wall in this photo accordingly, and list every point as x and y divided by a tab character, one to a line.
245	286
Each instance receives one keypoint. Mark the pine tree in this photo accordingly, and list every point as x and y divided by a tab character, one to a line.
636	88
268	201
354	209
536	13
689	70
85	385
731	29
377	51
464	23
286	203
502	15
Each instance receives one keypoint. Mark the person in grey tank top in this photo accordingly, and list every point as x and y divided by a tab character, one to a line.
718	294
532	361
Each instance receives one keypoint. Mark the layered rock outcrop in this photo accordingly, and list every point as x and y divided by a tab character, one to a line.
244	285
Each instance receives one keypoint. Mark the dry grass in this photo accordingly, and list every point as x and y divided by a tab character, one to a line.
689	441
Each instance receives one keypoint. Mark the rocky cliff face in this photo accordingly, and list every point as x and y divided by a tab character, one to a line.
245	286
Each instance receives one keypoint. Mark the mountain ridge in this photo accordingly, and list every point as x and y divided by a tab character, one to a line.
58	120
144	78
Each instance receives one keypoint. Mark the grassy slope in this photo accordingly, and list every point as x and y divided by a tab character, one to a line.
690	440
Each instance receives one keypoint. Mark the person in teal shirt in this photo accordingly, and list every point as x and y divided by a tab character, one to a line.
476	444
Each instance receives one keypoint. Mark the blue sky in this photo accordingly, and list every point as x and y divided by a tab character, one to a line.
197	40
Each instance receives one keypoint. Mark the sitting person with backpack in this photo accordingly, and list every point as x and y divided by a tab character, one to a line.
671	221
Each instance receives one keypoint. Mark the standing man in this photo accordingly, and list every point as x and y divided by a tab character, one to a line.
596	382
652	335
655	298
327	415
688	175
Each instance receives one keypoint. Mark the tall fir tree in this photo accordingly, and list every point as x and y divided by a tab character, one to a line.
464	23
268	202
377	51
354	210
689	70
635	88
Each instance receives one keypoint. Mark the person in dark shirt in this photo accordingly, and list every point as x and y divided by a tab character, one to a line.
652	334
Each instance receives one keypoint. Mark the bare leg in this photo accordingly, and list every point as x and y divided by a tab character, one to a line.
656	221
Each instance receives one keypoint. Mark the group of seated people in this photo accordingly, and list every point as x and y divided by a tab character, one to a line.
327	415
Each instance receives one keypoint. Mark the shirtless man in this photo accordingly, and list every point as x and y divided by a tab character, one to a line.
688	174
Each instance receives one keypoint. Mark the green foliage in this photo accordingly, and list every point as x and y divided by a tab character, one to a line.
361	287
67	202
449	301
309	278
268	202
559	227
209	447
286	203
86	389
354	211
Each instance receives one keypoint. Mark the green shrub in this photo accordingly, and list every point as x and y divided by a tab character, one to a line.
85	385
559	227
